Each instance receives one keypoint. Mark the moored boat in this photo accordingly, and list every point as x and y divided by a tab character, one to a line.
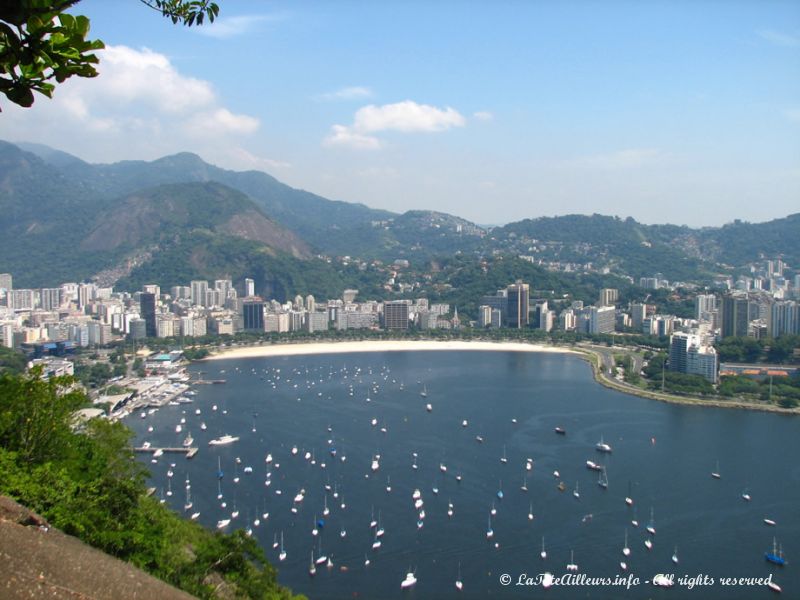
776	556
224	440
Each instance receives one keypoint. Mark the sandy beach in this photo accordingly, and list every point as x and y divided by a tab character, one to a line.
380	346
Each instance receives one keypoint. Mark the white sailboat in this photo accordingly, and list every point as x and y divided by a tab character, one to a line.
530	512
601	446
380	530
576	492
424	392
675	555
322	558
716	473
459	583
651	526
282	553
312	569
572	566
489	530
504	458
188	504
625	550
543	553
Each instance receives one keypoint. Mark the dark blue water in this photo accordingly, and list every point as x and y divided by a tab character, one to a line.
664	454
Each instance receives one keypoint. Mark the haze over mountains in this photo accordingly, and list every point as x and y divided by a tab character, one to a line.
64	219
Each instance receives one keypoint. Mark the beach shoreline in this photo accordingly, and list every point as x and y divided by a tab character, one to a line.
328	347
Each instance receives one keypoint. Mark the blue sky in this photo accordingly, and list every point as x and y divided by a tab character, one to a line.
681	112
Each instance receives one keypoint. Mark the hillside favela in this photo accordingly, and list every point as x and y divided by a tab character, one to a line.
534	333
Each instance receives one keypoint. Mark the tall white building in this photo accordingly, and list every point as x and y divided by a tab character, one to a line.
21	299
484	316
785	318
602	319
199	289
688	354
704	305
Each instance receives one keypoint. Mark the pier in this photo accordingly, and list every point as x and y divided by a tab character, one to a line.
207	381
188	451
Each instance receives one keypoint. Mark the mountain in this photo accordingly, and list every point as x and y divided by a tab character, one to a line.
740	242
168	211
310	216
56	228
639	250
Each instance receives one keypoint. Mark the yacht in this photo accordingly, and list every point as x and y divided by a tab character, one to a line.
409	581
224	440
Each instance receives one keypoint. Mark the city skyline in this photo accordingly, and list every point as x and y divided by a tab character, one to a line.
669	113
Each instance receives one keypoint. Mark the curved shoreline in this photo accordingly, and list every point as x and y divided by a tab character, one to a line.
329	347
592	358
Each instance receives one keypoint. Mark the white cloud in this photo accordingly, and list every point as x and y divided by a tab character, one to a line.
228	27
405	117
347	93
779	38
483	115
220	121
140	106
344	136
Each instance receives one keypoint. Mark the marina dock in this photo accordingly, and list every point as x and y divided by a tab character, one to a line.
189	452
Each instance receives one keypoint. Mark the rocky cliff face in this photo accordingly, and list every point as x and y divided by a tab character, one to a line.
38	561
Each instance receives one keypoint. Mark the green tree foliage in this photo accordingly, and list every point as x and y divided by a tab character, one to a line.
42	45
11	361
739	349
750	350
35	414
